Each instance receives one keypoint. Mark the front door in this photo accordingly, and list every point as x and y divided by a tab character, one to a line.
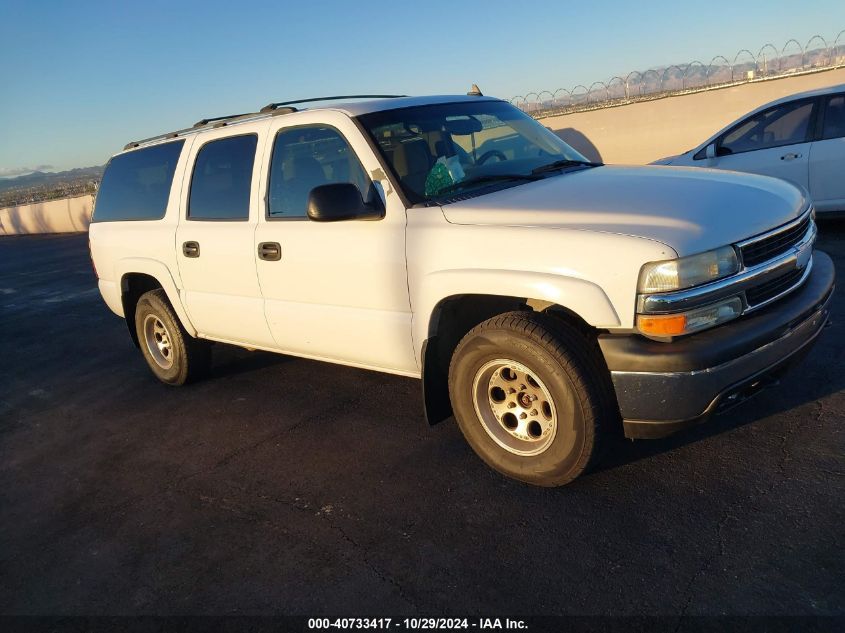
333	290
215	240
775	142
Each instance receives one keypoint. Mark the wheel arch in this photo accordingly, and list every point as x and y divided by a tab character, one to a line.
138	276
453	316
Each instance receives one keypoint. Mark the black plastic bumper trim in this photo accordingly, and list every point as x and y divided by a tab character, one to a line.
730	397
664	387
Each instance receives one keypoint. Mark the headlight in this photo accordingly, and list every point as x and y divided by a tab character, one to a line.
680	323
686	272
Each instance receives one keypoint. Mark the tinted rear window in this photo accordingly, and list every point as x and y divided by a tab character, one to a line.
222	179
834	118
136	185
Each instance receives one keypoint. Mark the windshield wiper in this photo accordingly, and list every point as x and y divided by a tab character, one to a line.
482	179
563	163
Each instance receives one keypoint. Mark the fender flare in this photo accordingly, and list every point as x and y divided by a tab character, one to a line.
582	297
158	270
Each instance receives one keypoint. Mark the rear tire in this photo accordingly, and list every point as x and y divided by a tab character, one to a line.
173	355
531	397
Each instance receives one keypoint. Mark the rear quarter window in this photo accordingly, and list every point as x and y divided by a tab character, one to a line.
136	185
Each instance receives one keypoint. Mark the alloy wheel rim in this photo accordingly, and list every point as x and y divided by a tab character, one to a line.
158	341
515	407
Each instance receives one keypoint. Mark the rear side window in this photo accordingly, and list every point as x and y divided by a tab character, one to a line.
136	185
222	179
834	117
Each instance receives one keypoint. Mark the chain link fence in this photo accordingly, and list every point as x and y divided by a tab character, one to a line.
769	62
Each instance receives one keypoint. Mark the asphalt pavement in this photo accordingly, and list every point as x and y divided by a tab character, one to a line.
289	486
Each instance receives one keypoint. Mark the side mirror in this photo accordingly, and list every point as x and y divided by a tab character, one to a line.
341	201
710	152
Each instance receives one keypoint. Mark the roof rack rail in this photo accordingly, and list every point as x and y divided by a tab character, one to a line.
203	122
283	107
218	121
158	137
272	106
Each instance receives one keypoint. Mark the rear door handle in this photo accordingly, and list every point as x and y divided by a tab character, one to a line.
191	249
270	251
790	156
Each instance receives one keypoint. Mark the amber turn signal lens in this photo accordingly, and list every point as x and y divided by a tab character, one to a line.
662	324
679	323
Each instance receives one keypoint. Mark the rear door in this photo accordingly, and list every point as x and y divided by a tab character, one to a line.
775	142
215	237
827	157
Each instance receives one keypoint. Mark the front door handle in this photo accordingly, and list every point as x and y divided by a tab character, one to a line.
191	249
790	156
270	251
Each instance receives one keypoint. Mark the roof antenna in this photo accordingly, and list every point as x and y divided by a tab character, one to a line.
474	91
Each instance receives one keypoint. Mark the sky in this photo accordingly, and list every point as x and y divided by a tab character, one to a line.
78	80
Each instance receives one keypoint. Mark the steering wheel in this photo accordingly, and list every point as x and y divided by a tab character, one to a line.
490	154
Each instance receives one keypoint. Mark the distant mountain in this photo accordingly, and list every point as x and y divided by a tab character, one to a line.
47	179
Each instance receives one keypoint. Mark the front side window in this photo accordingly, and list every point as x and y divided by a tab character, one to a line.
784	125
136	185
439	150
222	179
834	117
307	157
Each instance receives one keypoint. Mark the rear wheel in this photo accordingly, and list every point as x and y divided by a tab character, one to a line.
174	356
531	397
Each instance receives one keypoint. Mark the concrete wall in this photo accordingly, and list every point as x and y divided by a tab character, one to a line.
68	215
642	132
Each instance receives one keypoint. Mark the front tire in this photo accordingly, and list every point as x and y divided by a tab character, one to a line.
173	355
530	396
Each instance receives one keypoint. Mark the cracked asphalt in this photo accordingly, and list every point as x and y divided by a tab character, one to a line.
288	486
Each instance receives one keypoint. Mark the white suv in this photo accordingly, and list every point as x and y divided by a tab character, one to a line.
546	301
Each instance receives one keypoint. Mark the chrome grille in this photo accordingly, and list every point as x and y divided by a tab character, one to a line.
773	265
772	288
770	246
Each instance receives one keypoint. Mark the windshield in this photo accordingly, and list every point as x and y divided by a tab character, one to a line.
447	149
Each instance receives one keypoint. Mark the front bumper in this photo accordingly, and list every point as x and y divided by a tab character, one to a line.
665	387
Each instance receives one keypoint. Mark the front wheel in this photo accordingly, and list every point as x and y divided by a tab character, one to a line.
173	355
531	397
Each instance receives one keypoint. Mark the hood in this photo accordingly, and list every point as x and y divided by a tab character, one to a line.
666	160
687	208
